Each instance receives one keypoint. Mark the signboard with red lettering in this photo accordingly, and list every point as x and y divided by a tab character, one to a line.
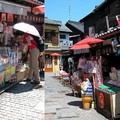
101	100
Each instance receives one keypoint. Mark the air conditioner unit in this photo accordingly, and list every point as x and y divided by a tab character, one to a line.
70	43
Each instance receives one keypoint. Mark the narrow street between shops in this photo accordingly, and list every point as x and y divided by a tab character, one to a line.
23	101
60	104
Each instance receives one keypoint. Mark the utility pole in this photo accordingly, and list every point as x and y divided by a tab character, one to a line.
69	12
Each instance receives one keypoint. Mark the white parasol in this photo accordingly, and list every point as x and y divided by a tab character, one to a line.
27	28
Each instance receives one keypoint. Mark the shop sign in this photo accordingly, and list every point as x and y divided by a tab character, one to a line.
101	100
10	17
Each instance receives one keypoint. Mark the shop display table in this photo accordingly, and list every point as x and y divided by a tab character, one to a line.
107	99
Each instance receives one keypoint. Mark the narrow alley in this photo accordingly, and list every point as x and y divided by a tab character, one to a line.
60	104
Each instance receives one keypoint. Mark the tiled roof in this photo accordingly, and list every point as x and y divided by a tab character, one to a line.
52	22
112	30
64	28
77	25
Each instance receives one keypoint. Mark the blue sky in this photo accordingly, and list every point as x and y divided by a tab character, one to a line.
64	10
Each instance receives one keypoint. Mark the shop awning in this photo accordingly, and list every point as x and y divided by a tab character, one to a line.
9	7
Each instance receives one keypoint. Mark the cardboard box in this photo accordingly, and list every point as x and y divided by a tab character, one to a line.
2	78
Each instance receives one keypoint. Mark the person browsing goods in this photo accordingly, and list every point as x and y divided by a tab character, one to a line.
30	44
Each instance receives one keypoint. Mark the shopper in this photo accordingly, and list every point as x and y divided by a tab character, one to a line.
28	43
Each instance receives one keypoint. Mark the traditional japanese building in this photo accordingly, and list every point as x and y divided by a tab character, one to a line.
52	41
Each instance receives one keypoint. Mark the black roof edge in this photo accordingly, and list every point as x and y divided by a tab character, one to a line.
96	9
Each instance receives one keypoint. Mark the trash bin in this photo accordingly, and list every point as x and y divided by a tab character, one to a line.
86	99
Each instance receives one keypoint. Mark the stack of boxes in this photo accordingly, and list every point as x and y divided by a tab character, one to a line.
8	65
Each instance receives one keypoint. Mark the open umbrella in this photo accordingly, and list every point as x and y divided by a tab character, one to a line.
39	9
55	54
89	40
27	28
76	47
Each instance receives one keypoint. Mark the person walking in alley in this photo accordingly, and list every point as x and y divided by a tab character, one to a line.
29	43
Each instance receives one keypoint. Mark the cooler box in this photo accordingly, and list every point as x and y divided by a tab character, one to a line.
107	99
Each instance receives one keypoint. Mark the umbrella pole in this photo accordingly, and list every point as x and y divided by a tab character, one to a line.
55	71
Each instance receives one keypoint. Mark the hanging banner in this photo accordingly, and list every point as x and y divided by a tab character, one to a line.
98	80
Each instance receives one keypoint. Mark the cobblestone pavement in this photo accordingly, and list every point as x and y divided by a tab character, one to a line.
60	104
23	102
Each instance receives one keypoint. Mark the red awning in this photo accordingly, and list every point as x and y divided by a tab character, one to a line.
77	47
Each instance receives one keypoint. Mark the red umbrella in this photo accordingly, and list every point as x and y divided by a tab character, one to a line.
76	47
39	9
89	40
55	54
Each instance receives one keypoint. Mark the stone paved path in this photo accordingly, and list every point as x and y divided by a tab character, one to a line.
60	104
23	102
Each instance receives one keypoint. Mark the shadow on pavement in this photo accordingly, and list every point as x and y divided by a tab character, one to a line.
21	87
76	103
69	94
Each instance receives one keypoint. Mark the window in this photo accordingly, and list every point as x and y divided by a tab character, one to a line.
62	36
48	37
